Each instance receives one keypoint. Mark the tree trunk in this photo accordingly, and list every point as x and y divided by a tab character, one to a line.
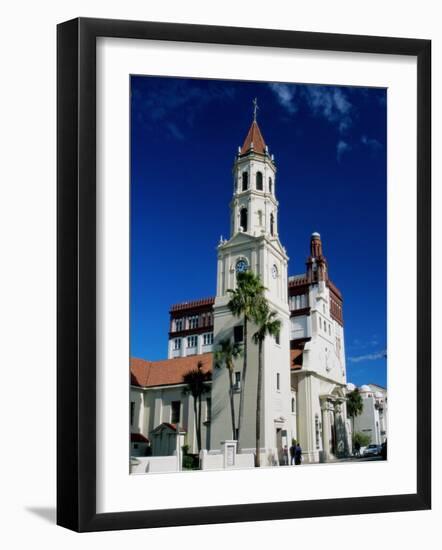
195	412
352	434
232	403
243	383
258	408
198	432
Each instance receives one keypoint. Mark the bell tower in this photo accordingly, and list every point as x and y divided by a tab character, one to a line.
254	245
254	208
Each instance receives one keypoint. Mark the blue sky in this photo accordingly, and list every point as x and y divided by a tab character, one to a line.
329	144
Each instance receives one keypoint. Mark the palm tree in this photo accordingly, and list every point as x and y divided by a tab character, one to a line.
225	355
268	325
355	407
244	302
196	384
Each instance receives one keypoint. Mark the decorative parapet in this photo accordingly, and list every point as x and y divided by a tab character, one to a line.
183	306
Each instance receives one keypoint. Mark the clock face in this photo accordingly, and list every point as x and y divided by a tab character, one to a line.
274	271
241	266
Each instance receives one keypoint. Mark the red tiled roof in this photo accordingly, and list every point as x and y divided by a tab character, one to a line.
334	289
170	426
254	136
168	371
193	304
138	438
298	280
296	359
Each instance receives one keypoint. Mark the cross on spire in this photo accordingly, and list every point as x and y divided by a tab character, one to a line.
255	108
254	140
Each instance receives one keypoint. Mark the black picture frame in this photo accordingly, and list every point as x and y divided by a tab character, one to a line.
76	274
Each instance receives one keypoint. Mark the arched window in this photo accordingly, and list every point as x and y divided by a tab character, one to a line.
243	219
245	181
272	224
270	185
259	181
260	217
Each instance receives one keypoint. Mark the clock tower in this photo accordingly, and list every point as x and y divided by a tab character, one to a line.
254	245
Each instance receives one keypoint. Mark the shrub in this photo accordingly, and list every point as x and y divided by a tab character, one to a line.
190	462
361	438
185	449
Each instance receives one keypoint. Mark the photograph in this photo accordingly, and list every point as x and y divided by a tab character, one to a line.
218	249
258	274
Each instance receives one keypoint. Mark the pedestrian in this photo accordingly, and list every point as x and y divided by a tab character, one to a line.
384	450
292	452
298	454
285	455
357	449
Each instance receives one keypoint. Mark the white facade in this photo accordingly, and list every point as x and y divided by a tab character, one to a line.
153	407
254	245
192	344
304	371
321	383
373	419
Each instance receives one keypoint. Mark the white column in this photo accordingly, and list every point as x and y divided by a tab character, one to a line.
341	430
326	430
219	285
306	419
158	410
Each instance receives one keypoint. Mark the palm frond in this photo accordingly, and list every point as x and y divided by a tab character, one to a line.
226	353
268	324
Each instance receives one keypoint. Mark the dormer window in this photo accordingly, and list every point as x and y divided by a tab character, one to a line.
259	185
245	181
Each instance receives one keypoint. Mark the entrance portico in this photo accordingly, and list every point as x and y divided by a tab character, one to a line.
334	429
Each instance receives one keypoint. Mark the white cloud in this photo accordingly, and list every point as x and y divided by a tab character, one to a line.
175	131
330	103
341	148
327	102
285	94
368	357
371	142
341	102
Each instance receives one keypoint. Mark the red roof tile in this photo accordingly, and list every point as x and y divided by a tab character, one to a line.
296	359
170	426
193	304
138	438
334	289
168	371
254	137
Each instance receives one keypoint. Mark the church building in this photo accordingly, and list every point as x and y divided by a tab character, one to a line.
304	372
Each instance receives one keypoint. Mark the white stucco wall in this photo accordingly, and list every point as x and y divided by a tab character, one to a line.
154	464
157	408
